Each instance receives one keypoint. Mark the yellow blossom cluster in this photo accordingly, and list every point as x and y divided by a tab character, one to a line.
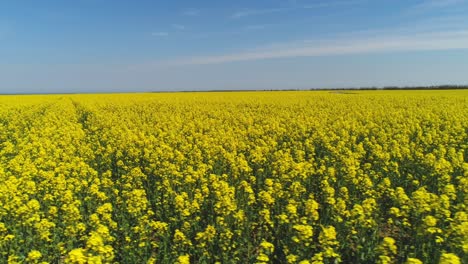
245	177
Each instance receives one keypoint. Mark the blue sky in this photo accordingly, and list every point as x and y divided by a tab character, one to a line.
122	45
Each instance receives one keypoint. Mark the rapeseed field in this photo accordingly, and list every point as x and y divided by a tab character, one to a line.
240	177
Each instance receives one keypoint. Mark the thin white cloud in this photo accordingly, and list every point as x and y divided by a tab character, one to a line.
295	6
178	26
446	40
253	12
430	5
333	4
191	12
160	34
439	3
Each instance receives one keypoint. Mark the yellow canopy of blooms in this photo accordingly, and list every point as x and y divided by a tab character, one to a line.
244	177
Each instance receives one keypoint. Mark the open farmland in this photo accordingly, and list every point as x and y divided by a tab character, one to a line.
240	177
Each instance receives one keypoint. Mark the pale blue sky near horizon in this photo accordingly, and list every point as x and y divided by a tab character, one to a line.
56	46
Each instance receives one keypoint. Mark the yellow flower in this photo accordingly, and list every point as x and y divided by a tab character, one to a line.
266	198
328	236
34	255
77	256
389	244
311	209
94	260
184	259
449	258
385	260
262	258
413	261
151	260
180	238
291	209
95	242
291	258
304	234
9	237
430	221
395	211
267	247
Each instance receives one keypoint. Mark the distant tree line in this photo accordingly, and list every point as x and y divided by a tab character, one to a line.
433	87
